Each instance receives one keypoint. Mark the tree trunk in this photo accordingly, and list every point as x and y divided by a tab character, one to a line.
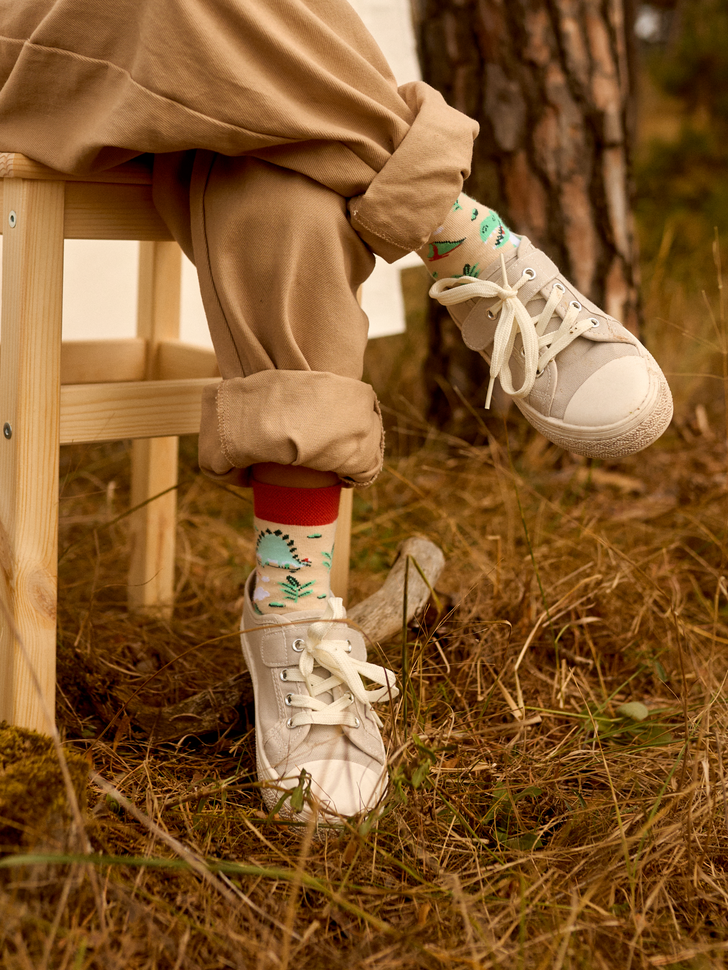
550	82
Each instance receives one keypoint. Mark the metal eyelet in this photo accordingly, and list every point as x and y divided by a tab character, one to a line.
288	699
529	273
594	322
576	304
284	675
289	722
491	315
357	722
298	645
349	647
560	286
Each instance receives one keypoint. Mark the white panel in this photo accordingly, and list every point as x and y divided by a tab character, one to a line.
390	22
382	297
99	288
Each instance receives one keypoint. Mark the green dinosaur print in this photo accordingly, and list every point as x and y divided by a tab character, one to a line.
293	590
469	270
456	206
278	549
439	250
327	559
492	225
315	535
473	215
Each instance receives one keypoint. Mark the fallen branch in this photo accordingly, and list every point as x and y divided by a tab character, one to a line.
379	617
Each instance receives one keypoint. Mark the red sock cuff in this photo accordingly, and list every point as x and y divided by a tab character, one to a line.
296	506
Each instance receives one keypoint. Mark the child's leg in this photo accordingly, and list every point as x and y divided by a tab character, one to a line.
279	267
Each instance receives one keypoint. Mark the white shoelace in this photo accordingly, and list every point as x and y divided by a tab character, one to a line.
539	348
320	650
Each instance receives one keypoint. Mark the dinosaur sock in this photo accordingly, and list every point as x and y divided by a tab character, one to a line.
469	240
295	530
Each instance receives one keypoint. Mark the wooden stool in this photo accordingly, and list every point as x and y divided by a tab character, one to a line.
146	388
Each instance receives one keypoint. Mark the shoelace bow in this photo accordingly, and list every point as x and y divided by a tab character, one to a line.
539	348
321	651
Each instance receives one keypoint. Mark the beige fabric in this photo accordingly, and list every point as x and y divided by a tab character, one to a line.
265	118
243	419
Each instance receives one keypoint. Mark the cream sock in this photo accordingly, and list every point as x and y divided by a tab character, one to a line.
470	239
295	530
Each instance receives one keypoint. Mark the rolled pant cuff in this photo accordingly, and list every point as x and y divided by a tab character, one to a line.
412	194
310	418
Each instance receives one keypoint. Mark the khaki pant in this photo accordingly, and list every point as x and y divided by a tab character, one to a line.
284	156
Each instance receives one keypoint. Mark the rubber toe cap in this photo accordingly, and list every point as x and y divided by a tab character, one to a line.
346	788
611	394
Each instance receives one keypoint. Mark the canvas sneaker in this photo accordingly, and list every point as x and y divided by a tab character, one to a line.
576	374
312	711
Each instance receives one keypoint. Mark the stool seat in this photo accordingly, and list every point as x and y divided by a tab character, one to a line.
147	388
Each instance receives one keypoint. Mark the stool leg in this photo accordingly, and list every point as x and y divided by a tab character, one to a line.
151	566
32	292
154	460
342	547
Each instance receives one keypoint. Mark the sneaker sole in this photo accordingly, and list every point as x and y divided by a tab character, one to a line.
637	431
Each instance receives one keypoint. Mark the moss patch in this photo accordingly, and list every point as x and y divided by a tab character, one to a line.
33	799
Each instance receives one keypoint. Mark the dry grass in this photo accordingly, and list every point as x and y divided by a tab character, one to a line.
557	795
531	821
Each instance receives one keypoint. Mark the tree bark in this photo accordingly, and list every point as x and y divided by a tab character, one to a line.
550	82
